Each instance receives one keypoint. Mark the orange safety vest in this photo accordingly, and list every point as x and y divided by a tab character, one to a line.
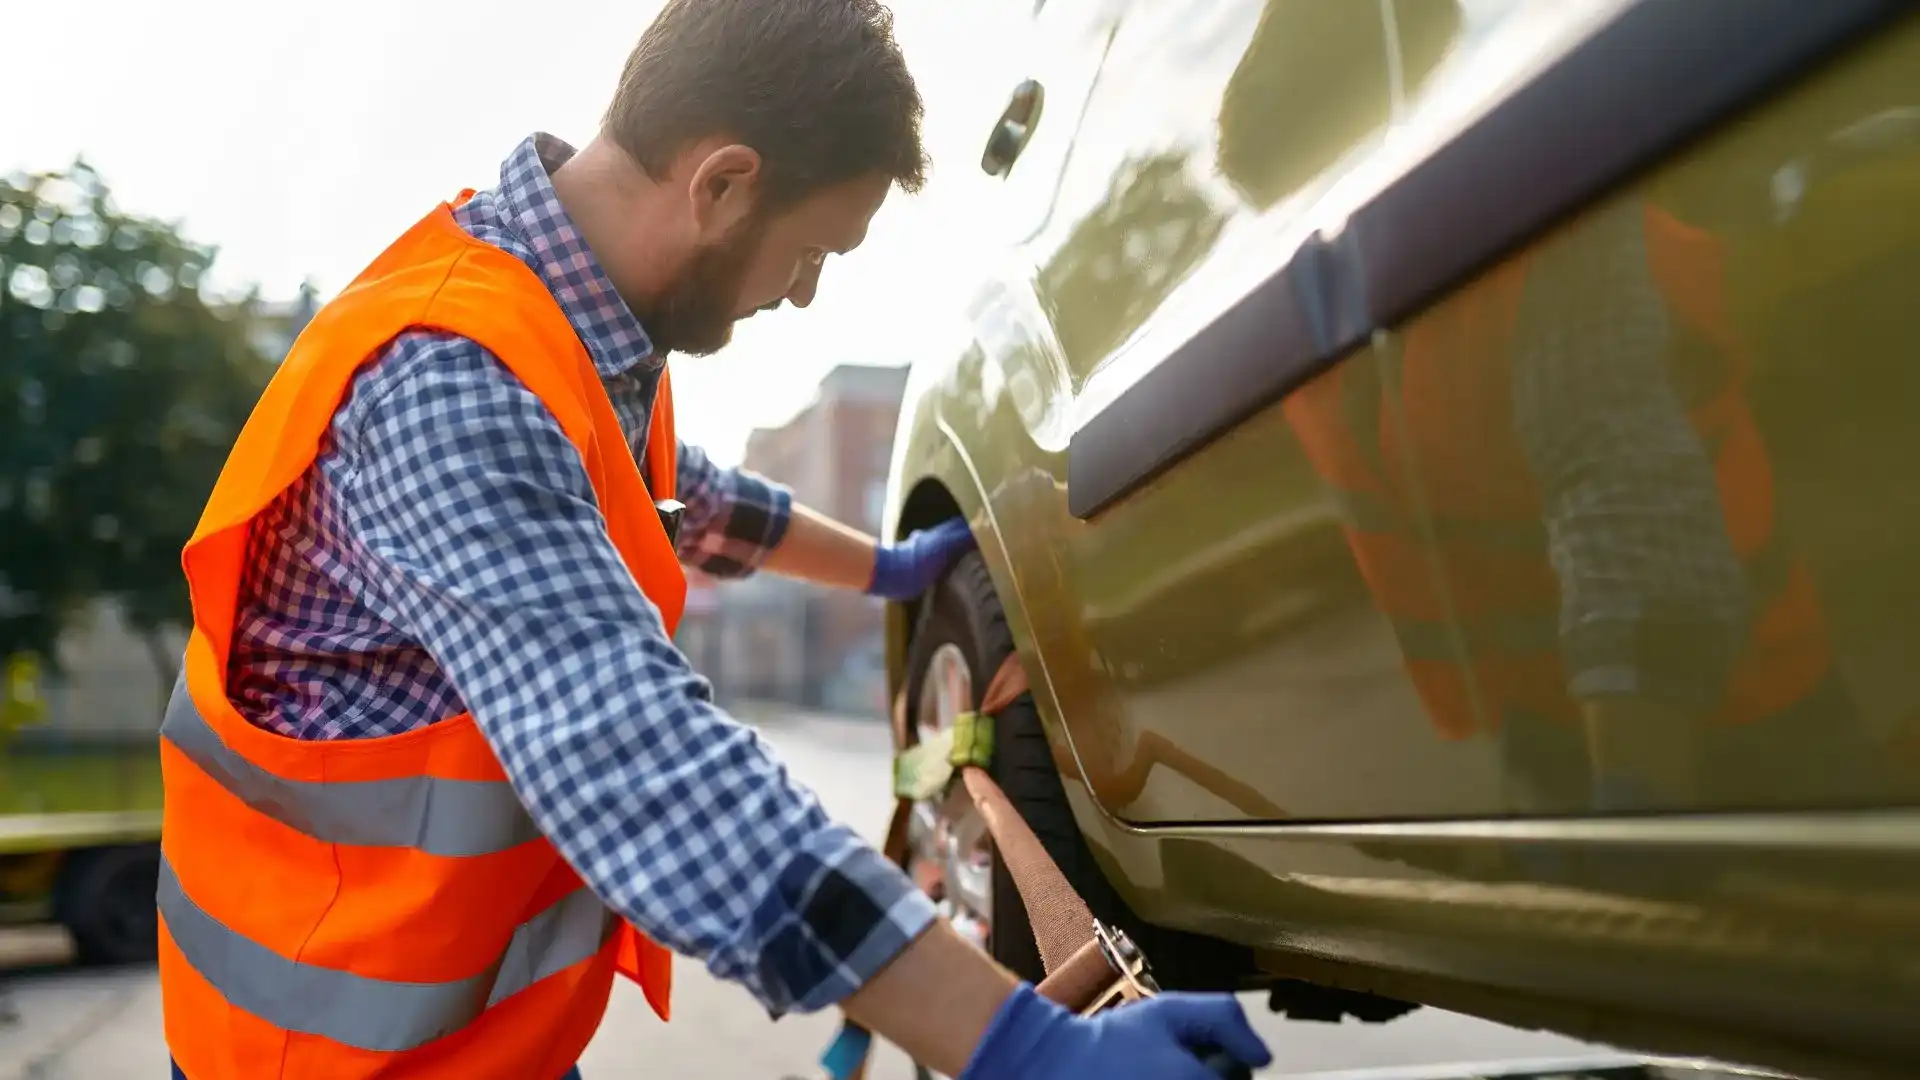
1444	519
386	907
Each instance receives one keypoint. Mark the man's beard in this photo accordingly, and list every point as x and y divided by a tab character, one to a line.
695	315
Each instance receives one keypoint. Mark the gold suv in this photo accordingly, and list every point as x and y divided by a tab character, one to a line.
1450	469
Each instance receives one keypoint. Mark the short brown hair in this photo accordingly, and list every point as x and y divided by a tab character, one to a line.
818	87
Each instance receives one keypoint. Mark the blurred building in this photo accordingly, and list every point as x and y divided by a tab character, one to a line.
786	641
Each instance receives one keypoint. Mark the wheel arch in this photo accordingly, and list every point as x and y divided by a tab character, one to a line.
963	447
928	502
934	477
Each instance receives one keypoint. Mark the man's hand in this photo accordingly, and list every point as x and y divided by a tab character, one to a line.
1161	1038
904	570
950	1007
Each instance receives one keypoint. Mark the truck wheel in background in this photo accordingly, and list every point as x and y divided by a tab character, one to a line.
959	640
105	898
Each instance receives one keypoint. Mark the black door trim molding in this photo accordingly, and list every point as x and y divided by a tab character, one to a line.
1659	74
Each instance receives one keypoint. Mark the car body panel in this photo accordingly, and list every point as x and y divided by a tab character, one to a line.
1246	750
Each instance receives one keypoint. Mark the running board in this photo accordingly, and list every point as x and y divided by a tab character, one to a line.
1590	1067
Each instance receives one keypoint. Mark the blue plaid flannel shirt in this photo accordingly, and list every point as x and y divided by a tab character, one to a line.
445	555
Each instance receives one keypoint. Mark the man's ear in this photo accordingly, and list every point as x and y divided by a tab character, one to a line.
723	189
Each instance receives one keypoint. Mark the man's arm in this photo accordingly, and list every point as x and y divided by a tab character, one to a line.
825	552
737	522
474	528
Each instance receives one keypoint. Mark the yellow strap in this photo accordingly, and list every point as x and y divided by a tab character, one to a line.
972	741
924	771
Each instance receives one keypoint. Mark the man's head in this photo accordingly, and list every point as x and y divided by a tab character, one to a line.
748	141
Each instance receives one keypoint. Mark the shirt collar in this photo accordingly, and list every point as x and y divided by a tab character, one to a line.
606	325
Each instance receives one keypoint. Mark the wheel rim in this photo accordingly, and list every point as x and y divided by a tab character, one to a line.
949	852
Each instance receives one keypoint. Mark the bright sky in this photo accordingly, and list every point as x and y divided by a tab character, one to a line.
302	138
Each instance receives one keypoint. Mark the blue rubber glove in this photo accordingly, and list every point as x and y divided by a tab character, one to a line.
904	570
1032	1038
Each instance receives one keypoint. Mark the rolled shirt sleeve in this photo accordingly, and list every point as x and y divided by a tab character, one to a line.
734	518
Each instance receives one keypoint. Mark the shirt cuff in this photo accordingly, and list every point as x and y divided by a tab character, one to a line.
750	522
837	914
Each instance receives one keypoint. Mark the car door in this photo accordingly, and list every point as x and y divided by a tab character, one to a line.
1190	661
1643	443
1254	648
1394	588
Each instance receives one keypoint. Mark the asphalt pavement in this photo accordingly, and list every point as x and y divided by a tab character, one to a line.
58	1024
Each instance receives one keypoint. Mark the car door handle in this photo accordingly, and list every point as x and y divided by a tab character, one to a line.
1013	130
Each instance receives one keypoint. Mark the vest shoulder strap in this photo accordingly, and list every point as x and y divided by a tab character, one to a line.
435	277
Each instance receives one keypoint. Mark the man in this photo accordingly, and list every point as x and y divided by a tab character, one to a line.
432	725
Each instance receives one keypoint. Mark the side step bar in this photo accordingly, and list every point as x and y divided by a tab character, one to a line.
1589	1067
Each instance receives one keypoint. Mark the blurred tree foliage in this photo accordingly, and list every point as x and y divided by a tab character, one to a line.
121	388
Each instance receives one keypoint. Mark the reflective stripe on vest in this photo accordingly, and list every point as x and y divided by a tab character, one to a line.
452	818
374	1014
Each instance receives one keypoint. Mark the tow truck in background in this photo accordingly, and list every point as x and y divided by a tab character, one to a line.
79	824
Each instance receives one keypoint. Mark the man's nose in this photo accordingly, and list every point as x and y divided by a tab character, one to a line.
804	288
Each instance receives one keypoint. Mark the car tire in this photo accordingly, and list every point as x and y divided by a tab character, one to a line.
964	610
105	897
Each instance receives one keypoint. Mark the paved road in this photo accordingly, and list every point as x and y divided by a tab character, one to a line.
87	1026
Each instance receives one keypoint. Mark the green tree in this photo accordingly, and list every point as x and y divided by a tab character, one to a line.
122	384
